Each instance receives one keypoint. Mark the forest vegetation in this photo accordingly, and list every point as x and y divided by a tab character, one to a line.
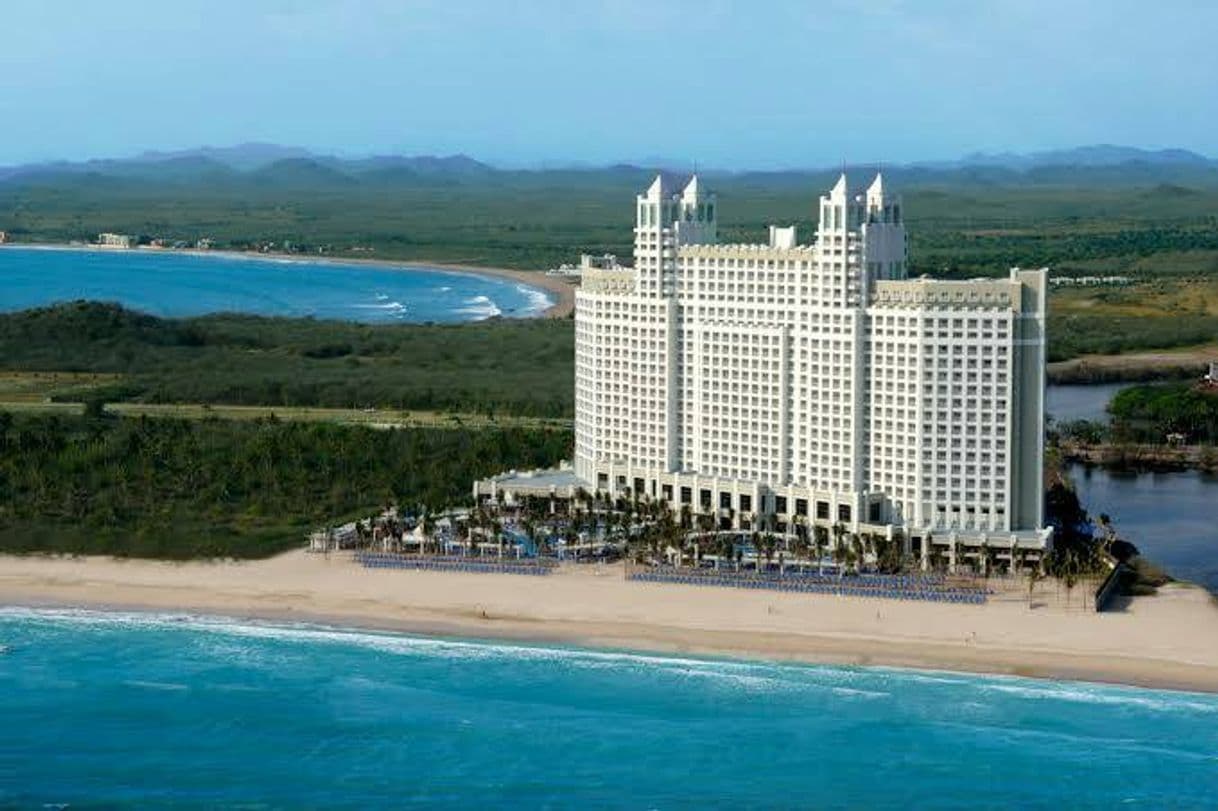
181	489
507	367
1152	413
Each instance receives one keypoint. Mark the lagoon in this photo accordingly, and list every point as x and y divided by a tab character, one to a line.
1169	515
1080	401
178	284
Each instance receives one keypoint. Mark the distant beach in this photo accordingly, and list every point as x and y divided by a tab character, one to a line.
1165	641
560	294
563	291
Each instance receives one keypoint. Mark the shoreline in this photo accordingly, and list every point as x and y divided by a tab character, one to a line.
1161	642
561	294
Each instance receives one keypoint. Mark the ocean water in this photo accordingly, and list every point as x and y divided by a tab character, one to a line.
131	710
180	284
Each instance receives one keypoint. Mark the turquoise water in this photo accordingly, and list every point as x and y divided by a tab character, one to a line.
127	710
179	284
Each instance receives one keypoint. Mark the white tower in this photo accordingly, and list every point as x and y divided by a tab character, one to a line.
837	246
697	223
883	234
666	219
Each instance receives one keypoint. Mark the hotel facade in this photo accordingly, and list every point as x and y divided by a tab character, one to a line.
780	384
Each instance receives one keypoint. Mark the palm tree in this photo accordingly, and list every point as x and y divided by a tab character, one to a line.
724	547
675	537
820	537
800	546
1069	569
1108	530
839	557
657	544
426	525
766	543
530	532
1034	576
838	532
686	517
800	525
858	550
706	522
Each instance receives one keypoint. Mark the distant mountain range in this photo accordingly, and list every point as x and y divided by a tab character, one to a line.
240	157
273	166
1097	155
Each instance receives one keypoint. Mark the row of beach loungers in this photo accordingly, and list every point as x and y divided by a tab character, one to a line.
919	580
888	587
379	560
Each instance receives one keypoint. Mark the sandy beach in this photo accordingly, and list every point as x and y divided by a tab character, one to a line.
1166	641
561	291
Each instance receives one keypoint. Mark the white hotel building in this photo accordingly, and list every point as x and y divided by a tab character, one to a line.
783	383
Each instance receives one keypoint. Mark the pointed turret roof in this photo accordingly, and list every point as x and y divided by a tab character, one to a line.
876	188
692	188
839	188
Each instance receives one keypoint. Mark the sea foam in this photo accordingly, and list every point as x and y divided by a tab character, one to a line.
538	300
289	714
480	307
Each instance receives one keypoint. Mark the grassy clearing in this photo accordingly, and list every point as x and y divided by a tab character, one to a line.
40	387
371	418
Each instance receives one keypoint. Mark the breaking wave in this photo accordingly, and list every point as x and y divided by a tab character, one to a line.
538	300
480	307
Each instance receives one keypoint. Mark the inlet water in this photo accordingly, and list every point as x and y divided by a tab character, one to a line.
177	284
1169	516
1069	402
129	710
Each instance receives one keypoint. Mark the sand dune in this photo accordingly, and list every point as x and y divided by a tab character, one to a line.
1170	640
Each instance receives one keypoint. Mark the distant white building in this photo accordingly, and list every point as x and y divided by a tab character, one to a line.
587	261
124	241
784	384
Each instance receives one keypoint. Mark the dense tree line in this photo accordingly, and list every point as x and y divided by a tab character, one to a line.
185	489
1074	335
1150	413
518	367
964	254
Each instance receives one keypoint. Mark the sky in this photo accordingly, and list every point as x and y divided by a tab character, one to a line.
751	84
